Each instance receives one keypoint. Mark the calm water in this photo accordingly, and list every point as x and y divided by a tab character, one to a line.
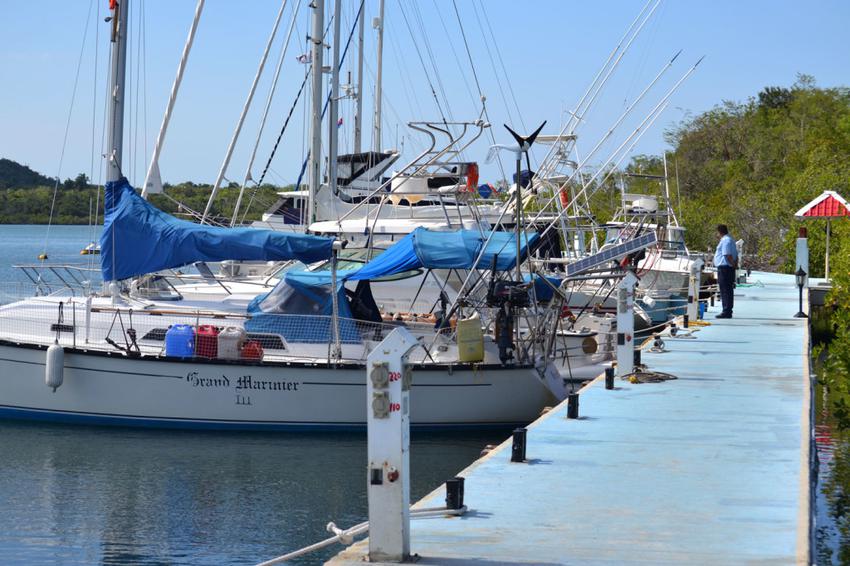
20	244
80	495
832	434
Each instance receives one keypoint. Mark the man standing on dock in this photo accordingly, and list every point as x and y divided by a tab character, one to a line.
726	261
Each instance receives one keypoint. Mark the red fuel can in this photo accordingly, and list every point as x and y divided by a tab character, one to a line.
206	341
252	350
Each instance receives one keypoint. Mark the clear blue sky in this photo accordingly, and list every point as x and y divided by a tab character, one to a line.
551	49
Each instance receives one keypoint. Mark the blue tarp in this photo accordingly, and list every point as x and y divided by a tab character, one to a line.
138	238
542	291
300	309
305	292
457	249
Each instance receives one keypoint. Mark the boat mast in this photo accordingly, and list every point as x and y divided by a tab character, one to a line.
153	179
378	24
333	126
358	114
316	116
245	108
118	65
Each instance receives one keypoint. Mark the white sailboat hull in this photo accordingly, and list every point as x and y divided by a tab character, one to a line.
168	393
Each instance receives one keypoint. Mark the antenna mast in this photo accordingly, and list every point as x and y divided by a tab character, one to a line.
378	23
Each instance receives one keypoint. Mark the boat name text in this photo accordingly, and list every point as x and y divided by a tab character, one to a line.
241	383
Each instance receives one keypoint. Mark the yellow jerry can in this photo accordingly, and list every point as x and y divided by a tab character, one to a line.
470	339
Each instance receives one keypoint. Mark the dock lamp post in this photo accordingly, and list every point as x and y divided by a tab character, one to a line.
800	278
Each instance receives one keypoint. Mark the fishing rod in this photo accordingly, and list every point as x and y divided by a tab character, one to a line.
626	113
663	100
575	115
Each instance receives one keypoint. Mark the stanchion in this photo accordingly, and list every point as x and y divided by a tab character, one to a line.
518	447
572	406
454	493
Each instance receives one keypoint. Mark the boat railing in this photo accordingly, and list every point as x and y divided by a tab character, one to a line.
11	291
75	323
47	278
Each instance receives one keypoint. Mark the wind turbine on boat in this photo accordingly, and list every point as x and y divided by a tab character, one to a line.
522	147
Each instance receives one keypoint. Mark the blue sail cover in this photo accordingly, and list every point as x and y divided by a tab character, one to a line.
457	249
138	238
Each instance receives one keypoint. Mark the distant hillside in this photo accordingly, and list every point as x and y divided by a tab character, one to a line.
15	175
26	197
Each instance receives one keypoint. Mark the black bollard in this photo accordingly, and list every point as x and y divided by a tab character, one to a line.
609	378
518	448
686	319
454	493
637	356
572	406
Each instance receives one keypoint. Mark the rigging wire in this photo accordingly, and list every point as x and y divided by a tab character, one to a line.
387	101
422	62
145	83
67	129
222	172
580	114
643	58
408	92
328	98
92	227
137	84
454	53
307	74
502	63
480	93
127	165
94	118
266	109
492	64
427	42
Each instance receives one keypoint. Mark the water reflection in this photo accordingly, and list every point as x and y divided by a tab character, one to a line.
832	435
72	495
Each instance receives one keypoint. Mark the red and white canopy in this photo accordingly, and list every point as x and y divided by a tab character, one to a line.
828	205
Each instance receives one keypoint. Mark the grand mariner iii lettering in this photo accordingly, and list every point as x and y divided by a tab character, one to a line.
242	383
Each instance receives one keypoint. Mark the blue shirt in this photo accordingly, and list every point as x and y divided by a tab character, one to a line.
726	246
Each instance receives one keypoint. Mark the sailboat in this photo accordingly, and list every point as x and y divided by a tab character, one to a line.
110	358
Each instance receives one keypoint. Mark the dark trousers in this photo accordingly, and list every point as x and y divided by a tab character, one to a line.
726	282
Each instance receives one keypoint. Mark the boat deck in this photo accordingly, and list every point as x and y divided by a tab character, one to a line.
712	467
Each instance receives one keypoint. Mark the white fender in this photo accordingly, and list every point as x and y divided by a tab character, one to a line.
54	366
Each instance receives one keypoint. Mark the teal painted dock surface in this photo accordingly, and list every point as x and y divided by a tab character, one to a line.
712	467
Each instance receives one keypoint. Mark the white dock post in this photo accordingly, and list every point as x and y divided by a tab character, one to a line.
626	324
388	383
693	292
803	253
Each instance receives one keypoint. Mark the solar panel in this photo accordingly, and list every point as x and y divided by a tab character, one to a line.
612	253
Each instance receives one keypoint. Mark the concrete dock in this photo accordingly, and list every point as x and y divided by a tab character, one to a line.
712	467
